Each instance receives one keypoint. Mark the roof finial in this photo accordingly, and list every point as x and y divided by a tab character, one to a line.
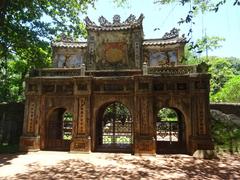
116	19
172	34
103	21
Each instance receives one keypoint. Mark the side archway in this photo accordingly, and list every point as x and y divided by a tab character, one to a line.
58	129
170	131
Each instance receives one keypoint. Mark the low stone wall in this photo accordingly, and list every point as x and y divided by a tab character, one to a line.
11	122
227	108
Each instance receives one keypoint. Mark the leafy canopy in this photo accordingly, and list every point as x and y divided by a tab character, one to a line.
26	29
230	92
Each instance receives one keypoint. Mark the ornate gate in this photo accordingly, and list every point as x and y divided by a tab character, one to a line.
115	129
59	130
170	132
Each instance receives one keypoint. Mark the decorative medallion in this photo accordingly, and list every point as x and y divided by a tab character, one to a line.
115	52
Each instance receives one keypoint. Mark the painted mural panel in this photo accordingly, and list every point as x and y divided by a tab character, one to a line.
158	58
60	60
74	61
172	56
161	58
71	61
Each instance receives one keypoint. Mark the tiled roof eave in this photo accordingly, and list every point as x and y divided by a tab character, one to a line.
112	28
70	44
161	44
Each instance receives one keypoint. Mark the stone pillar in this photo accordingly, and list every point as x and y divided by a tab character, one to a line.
81	130
201	137
144	137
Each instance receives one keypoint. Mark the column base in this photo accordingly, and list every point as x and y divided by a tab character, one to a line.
145	145
81	145
201	143
205	154
29	143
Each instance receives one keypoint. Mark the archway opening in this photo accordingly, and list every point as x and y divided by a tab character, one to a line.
170	131
114	130
59	130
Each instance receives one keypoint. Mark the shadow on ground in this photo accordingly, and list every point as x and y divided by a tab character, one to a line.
168	167
6	158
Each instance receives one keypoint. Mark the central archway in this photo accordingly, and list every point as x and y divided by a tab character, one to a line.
114	128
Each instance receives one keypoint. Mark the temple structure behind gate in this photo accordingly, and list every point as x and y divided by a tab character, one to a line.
106	94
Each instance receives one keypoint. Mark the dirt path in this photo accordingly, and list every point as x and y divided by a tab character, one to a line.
63	165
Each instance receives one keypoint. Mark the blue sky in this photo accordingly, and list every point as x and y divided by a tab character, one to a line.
225	23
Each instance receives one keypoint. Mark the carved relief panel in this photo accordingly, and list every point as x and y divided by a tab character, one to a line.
82	115
137	43
32	116
201	117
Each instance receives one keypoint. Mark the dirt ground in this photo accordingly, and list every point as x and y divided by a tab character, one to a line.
63	165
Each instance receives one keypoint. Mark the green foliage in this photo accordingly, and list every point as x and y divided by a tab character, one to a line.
167	114
121	3
26	29
116	110
221	71
67	116
208	44
194	50
235	64
225	131
199	5
230	92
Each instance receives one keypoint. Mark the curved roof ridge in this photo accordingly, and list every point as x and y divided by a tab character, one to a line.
130	22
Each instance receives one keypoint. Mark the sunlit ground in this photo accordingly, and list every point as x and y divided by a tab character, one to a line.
63	165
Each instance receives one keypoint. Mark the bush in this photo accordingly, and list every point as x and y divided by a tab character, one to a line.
225	131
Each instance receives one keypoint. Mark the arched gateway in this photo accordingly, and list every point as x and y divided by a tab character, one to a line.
114	128
170	131
58	130
108	94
